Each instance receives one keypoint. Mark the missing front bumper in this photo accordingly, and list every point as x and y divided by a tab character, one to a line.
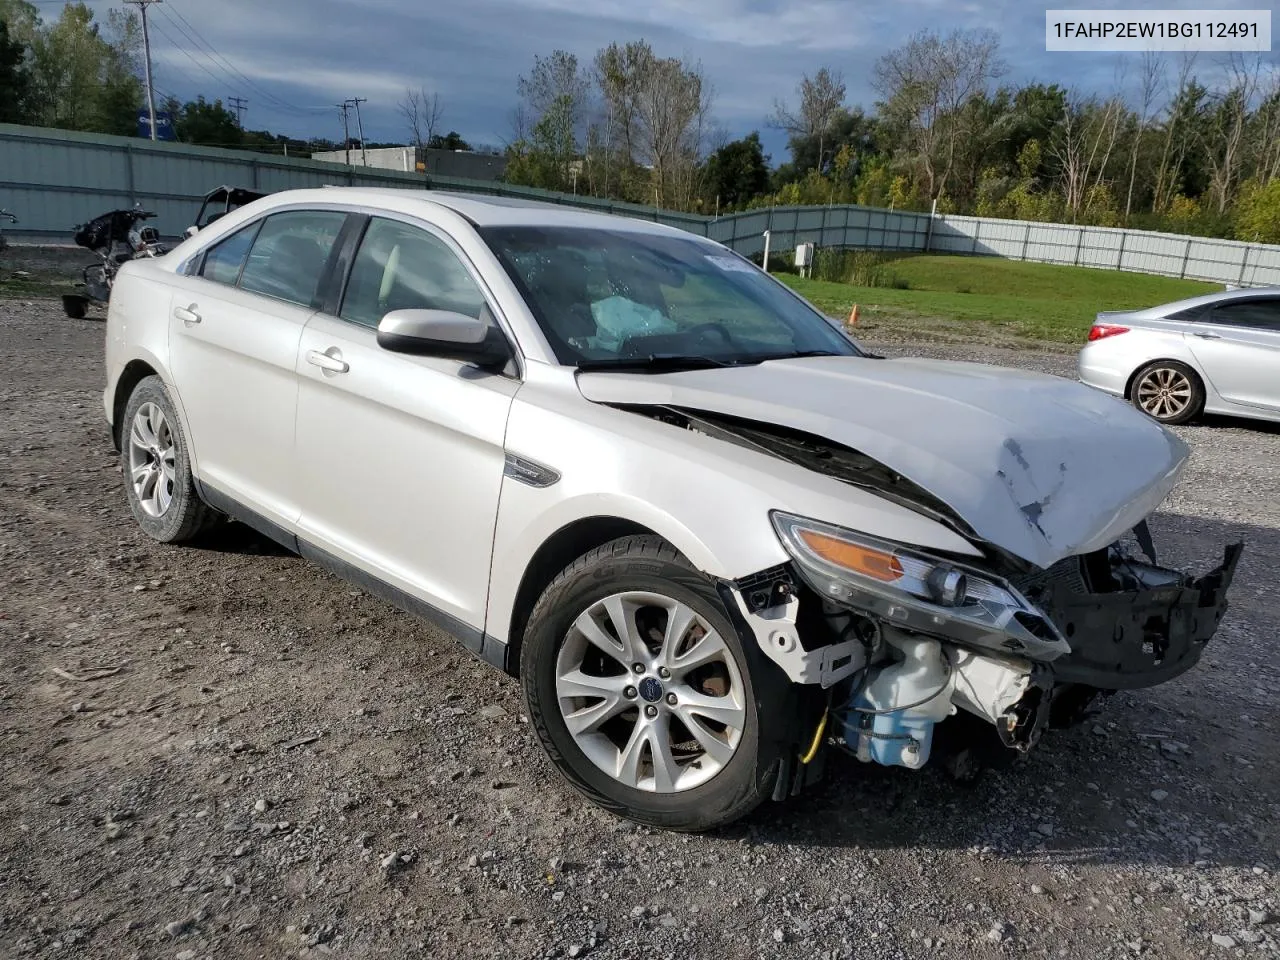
1151	632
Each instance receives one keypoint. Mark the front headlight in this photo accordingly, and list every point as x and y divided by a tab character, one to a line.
914	590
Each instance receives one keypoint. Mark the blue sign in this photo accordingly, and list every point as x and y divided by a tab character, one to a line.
164	125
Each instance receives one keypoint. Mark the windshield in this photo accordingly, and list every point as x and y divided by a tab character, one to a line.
617	297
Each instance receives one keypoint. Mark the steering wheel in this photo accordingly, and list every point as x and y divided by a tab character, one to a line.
698	329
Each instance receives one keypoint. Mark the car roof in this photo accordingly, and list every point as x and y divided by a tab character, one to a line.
483	210
1218	296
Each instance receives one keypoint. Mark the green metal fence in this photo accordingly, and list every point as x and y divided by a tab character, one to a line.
55	179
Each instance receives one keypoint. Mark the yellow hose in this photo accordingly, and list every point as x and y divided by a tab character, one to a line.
817	740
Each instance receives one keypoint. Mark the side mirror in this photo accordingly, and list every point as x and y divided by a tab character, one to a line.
191	231
443	333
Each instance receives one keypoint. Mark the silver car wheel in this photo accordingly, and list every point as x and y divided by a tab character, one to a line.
1164	393
151	460
650	692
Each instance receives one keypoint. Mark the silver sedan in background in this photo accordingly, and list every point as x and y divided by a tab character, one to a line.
1218	353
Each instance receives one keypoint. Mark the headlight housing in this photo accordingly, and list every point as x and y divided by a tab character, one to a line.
916	591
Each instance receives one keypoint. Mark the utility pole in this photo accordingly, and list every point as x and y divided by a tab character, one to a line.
239	104
364	157
346	135
146	45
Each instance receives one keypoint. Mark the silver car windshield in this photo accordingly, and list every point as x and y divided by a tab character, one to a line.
625	298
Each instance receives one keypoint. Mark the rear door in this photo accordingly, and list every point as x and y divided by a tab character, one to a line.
1237	344
403	455
234	331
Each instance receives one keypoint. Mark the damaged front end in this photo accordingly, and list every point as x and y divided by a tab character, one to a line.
904	641
1023	637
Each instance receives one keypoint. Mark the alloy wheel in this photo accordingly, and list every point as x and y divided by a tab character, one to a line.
1164	393
650	692
152	459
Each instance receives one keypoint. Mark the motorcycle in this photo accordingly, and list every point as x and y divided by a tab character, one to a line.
116	237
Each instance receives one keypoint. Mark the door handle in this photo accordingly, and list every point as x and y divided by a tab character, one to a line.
327	361
187	315
1205	335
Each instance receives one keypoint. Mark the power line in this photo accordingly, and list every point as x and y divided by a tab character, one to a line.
198	39
185	52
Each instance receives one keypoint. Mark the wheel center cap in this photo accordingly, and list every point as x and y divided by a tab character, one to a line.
651	689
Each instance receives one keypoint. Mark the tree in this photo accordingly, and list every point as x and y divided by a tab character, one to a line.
821	100
924	84
450	141
618	71
1224	138
1180	171
1258	216
737	172
210	124
1152	79
15	79
422	112
553	107
1082	147
1265	133
84	80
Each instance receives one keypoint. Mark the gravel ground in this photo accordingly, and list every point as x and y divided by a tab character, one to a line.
223	752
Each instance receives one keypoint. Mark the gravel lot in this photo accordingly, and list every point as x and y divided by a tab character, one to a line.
223	752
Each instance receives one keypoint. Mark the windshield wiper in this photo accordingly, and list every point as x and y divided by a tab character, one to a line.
656	363
797	354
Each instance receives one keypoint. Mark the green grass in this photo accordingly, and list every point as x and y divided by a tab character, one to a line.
956	296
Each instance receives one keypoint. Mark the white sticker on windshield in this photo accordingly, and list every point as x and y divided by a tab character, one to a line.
732	264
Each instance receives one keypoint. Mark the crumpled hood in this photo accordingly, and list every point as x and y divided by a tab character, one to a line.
1040	466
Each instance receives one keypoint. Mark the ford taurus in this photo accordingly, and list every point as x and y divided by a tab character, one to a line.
713	537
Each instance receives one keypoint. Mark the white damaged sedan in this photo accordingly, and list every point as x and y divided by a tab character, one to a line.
713	537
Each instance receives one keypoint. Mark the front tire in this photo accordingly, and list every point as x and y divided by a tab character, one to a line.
637	685
1168	391
157	468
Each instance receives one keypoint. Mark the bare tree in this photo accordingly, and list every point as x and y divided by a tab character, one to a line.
422	111
1082	148
672	108
617	71
1177	134
926	82
1152	79
1224	142
1266	132
821	99
657	116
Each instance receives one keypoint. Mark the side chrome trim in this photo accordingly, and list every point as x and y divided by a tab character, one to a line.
488	648
529	471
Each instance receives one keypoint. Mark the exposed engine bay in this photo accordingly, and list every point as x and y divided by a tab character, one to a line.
903	641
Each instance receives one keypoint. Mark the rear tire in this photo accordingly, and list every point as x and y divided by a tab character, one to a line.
694	779
1168	392
157	468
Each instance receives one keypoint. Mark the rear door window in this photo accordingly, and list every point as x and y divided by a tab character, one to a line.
288	257
1261	314
224	260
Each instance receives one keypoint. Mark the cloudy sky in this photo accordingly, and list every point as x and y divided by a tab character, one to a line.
293	60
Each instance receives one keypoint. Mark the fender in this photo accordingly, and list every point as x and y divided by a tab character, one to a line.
526	522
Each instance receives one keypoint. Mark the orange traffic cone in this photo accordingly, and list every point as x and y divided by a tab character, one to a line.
853	316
